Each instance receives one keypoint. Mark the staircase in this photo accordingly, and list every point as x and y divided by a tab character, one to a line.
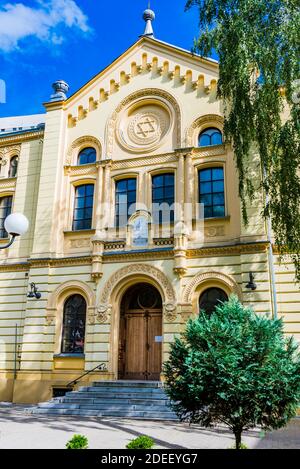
131	399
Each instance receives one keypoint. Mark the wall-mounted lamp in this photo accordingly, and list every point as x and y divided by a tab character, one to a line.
34	293
251	284
16	224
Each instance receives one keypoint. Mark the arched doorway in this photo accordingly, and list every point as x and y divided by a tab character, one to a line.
210	298
140	339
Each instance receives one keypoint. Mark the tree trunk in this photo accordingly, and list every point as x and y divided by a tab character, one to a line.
238	439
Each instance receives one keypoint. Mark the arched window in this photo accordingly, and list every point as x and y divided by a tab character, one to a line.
210	136
5	210
211	192
163	197
211	298
87	156
125	200
73	332
13	167
83	207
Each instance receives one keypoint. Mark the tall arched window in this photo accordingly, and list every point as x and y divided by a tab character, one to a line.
163	197
73	332
87	156
210	136
125	200
211	298
13	167
5	210
83	207
211	192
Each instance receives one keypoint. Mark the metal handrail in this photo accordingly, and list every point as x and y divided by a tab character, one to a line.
101	367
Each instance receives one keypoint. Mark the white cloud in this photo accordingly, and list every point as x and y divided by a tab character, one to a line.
47	21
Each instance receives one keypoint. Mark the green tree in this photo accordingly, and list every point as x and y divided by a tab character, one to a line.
258	45
235	368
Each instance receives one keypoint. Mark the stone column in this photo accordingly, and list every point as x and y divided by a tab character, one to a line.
189	192
98	200
106	196
179	215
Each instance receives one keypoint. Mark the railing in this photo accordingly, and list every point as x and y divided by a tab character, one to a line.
101	367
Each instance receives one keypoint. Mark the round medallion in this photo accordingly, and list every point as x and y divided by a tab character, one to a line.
144	127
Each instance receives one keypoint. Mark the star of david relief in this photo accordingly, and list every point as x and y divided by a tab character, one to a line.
143	128
147	126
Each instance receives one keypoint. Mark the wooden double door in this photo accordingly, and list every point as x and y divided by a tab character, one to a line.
140	344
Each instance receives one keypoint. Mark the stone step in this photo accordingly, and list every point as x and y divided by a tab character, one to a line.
133	401
115	395
129	399
111	389
128	383
103	406
111	413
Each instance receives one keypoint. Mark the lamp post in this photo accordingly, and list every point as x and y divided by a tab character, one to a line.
16	224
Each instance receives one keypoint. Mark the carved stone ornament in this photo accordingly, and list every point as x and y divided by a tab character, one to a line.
103	313
147	124
170	312
143	128
136	269
78	145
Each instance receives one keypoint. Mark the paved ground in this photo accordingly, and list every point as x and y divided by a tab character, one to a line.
18	430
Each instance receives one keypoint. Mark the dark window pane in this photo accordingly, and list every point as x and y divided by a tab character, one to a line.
5	210
131	184
90	189
211	192
169	180
217	174
216	138
208	213
211	136
218	211
218	186
206	199
204	140
211	298
218	199
83	208
205	188
205	175
122	185
163	194
125	200
73	333
87	156
157	181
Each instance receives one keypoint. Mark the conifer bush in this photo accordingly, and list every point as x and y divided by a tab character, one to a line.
234	367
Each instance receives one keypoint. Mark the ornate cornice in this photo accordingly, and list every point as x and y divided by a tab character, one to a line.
163	158
137	256
19	138
35	263
229	250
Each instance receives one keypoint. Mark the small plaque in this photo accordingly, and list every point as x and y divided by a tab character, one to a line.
158	338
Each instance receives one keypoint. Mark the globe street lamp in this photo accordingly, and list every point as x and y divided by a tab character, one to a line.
15	224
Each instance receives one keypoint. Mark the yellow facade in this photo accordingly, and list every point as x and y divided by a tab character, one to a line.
150	79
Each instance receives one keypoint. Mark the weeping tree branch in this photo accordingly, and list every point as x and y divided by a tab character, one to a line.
258	44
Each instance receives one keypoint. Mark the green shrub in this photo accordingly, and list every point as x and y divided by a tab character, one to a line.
78	442
142	442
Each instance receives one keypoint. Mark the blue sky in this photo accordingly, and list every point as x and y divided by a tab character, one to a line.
45	40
